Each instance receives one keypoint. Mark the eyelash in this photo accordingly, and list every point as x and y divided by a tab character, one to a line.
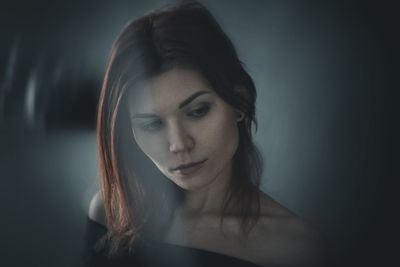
156	124
203	111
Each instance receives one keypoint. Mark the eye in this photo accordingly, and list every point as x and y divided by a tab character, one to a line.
151	126
199	112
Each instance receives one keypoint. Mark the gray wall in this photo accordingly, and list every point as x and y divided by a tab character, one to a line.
321	70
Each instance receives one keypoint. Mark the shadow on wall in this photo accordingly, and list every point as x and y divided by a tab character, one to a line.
43	92
46	78
48	158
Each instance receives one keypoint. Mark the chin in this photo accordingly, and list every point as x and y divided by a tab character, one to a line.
191	184
190	187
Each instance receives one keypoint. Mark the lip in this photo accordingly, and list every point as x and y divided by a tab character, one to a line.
190	168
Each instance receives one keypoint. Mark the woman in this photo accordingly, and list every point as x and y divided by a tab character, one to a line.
176	92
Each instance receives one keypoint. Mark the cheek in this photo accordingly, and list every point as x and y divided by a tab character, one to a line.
221	135
229	139
150	146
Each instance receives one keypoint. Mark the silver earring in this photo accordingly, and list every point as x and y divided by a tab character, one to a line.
239	116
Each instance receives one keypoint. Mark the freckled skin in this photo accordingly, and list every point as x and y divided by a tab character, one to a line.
181	138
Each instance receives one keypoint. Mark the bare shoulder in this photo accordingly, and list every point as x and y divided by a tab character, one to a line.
286	238
96	209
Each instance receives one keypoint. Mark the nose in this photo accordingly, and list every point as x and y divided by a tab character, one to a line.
179	139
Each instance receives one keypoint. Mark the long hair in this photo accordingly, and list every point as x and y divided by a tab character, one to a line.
139	206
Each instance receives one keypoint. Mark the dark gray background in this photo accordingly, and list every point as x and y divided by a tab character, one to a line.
325	73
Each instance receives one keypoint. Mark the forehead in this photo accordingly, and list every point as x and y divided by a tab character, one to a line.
167	90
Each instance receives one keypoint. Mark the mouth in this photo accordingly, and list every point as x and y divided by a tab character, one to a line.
188	168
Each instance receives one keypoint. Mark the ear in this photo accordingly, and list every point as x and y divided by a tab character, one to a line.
242	92
239	115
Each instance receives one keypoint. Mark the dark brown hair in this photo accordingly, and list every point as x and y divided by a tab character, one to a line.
186	35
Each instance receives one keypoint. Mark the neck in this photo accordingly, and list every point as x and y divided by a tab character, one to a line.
210	199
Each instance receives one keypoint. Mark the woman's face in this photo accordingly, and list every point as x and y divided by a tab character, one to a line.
178	119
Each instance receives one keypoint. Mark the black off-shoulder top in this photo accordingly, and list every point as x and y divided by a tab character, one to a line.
153	254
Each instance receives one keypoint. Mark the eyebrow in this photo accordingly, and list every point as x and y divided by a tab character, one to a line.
191	98
181	105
